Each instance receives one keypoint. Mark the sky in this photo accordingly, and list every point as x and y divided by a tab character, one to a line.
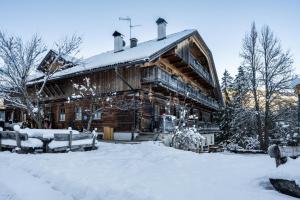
221	23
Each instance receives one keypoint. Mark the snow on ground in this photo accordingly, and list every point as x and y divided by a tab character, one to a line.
137	172
289	171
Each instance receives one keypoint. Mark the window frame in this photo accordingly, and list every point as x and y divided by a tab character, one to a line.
78	108
98	113
60	114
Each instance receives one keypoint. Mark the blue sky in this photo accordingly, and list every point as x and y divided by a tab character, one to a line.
222	23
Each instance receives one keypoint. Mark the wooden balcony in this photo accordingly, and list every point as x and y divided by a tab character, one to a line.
208	127
199	69
164	79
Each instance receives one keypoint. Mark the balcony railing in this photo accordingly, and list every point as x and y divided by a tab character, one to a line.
199	69
160	76
204	126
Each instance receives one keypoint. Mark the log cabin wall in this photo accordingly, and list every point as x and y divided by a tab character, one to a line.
117	119
106	81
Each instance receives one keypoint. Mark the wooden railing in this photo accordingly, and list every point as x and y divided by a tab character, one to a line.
160	76
208	126
199	69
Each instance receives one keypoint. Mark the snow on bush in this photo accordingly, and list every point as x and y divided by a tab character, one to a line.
246	142
167	140
187	138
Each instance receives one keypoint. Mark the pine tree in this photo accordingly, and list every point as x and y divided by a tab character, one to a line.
241	130
226	112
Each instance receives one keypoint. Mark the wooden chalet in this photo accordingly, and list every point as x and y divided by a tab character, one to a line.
164	73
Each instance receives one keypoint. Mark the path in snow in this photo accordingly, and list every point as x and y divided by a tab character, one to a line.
136	172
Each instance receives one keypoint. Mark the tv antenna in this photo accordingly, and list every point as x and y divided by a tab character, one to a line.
130	25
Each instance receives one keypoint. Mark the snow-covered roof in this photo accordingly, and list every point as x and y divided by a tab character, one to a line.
142	52
295	82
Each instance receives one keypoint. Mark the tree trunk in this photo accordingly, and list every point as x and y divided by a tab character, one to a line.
38	122
90	122
258	119
267	126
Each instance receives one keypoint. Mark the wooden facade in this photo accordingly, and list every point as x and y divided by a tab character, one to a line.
185	73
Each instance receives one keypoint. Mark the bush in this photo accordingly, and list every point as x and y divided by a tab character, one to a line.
187	139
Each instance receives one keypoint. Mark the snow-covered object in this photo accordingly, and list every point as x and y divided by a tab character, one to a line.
30	143
57	144
46	133
17	127
166	139
187	139
142	52
295	82
288	171
241	142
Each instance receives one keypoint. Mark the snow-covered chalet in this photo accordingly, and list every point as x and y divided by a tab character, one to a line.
163	73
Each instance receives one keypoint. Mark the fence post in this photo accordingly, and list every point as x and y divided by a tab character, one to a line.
18	139
70	137
17	129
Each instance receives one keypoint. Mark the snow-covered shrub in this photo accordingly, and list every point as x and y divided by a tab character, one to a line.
246	142
187	139
251	143
167	139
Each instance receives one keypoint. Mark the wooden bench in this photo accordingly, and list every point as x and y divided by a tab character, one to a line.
13	140
72	142
281	153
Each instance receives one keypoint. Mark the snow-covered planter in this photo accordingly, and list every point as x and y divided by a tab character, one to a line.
187	139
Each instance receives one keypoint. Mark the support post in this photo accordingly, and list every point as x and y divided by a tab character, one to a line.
70	138
18	139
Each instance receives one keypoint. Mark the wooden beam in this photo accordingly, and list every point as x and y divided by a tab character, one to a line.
50	92
59	89
53	90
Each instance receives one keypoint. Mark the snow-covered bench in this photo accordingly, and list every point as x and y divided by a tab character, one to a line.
12	140
70	142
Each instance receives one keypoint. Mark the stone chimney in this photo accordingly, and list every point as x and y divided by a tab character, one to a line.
161	28
118	41
133	42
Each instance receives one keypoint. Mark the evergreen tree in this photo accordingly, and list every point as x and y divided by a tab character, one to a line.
226	112
241	127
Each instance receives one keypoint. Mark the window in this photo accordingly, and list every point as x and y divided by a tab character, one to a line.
97	114
78	113
62	115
